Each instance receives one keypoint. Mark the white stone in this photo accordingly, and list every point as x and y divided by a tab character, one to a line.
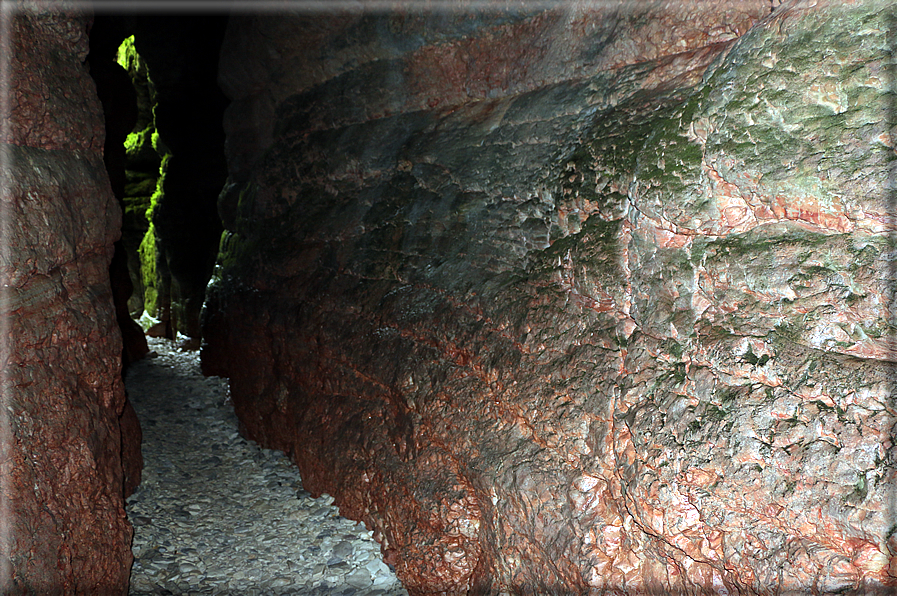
359	579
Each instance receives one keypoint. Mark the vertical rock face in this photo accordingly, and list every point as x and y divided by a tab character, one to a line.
572	301
63	524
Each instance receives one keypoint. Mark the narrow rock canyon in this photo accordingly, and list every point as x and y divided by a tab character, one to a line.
574	298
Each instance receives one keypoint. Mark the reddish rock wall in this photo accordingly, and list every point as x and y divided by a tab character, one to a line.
64	526
555	307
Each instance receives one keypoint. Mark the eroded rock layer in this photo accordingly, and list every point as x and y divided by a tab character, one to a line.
581	300
62	526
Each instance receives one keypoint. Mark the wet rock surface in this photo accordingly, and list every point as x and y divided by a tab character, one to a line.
62	522
627	330
216	514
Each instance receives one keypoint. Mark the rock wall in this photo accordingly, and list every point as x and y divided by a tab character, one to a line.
62	526
589	299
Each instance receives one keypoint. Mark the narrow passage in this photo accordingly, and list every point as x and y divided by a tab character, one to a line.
216	514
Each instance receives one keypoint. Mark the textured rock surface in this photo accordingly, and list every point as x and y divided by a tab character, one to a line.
577	300
63	521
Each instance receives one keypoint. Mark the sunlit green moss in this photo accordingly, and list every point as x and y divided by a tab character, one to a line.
137	140
147	249
144	149
158	144
147	253
127	55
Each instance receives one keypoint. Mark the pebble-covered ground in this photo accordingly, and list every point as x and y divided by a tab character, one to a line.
216	514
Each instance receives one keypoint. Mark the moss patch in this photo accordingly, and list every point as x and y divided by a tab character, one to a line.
148	253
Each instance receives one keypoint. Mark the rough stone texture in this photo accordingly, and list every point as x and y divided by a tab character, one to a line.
605	308
63	525
131	449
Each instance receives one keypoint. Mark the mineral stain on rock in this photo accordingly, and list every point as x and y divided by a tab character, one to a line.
627	270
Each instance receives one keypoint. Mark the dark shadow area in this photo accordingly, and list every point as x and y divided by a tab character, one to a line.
119	101
165	108
164	154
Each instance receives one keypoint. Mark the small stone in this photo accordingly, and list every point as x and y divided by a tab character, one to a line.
384	580
375	566
343	549
359	579
186	567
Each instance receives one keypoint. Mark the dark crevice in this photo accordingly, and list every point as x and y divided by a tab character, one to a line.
171	227
167	190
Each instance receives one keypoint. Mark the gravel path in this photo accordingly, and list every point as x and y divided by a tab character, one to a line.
216	514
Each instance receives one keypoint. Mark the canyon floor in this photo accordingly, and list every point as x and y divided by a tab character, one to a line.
217	514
